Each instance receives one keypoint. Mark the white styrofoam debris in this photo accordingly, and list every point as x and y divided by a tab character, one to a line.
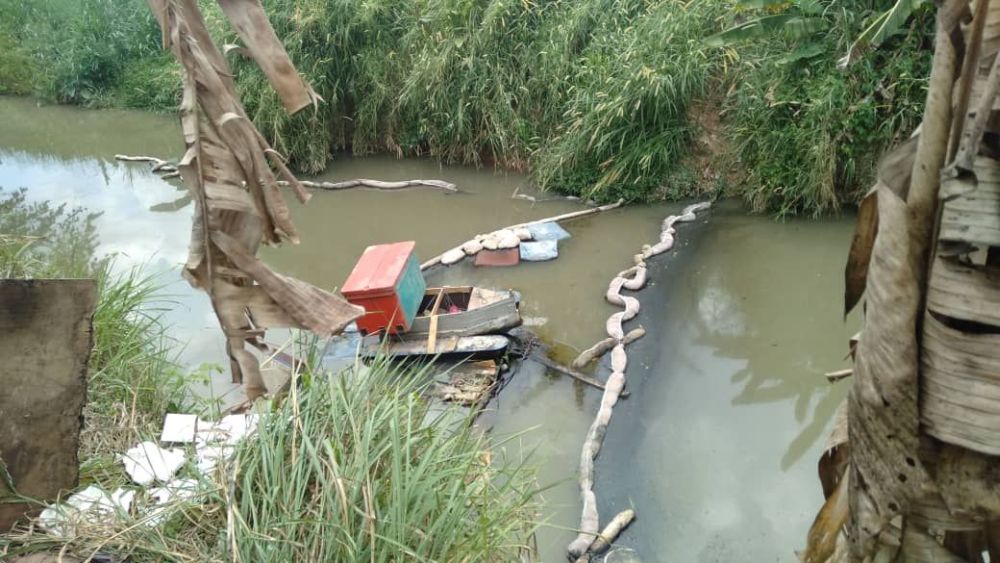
523	233
491	242
506	238
148	462
165	498
235	427
92	504
207	457
216	441
179	428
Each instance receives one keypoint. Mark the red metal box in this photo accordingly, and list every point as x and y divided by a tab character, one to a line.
387	282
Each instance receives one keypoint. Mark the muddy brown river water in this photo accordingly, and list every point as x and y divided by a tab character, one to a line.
716	447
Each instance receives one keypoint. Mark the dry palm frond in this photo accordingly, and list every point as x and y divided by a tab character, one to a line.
227	167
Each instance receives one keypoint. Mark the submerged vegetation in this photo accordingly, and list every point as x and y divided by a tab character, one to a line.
345	468
592	97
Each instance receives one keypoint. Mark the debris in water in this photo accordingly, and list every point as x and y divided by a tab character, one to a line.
633	279
539	251
547	231
468	384
507	257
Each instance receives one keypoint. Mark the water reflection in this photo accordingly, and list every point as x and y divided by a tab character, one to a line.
777	308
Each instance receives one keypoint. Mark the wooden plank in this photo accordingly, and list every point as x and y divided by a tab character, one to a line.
46	327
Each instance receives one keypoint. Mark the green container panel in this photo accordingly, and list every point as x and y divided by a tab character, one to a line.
410	289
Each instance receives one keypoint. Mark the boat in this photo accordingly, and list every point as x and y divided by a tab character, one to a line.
461	311
482	346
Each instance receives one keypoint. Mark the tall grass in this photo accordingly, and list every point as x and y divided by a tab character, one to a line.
82	51
350	467
357	468
592	97
810	134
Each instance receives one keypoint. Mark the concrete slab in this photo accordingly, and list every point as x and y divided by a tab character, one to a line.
46	343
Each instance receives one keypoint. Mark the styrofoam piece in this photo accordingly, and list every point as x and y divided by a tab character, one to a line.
148	462
179	428
230	430
547	231
92	504
539	251
208	457
506	238
472	247
216	441
166	497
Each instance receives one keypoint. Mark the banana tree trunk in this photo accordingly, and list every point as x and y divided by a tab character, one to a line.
923	414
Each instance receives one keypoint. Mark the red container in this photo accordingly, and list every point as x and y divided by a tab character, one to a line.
387	282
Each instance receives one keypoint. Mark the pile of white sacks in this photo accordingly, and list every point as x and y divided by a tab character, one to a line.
153	470
536	242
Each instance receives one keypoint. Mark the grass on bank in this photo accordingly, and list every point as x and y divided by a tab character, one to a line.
345	469
349	468
592	97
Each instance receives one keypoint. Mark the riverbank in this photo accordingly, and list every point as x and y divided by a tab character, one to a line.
714	376
593	98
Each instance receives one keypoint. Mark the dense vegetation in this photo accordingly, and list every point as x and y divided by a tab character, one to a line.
593	97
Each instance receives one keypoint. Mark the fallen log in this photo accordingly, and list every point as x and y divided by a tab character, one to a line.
157	164
582	378
378	184
160	165
555	219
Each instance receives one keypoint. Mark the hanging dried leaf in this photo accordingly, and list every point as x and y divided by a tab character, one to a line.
962	291
883	415
833	462
251	24
227	169
961	386
894	173
825	532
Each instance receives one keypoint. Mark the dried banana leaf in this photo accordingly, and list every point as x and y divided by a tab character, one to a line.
894	173
883	424
227	168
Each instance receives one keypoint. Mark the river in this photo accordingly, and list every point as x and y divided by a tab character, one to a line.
716	447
